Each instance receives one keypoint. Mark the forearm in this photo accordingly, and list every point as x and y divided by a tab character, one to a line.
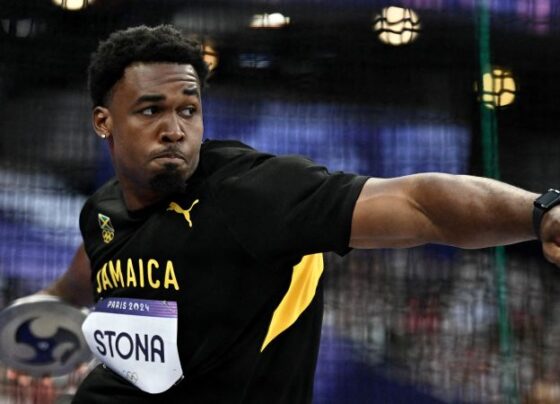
463	211
475	212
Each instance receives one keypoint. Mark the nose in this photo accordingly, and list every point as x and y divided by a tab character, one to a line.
171	131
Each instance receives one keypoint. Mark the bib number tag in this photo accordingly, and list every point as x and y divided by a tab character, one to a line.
137	339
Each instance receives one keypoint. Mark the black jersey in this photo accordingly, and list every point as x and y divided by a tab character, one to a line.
238	252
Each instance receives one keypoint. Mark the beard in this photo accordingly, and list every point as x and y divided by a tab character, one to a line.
169	181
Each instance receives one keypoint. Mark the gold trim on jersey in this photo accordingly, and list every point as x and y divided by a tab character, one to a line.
305	278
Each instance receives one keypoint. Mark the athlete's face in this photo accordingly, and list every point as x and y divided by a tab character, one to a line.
153	124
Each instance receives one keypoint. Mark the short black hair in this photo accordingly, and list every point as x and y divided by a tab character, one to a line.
160	44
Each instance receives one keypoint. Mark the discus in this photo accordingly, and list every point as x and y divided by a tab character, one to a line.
41	335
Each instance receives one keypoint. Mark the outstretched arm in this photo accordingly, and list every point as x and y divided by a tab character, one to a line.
458	210
74	286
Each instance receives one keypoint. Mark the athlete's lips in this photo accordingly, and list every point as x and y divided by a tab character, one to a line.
171	154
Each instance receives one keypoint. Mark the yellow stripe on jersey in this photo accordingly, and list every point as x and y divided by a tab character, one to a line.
305	278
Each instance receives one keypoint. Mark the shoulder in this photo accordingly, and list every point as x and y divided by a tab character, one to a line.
108	194
235	157
229	155
108	191
224	146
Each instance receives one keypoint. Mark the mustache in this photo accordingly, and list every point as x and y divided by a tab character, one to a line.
170	151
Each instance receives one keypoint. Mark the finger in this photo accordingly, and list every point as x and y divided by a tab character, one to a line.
11	374
46	381
551	251
24	380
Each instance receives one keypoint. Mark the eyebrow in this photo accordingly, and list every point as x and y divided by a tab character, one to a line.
191	91
160	97
149	98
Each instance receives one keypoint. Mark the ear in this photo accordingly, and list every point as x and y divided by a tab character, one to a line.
102	122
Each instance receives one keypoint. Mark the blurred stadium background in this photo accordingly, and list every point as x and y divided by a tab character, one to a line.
383	88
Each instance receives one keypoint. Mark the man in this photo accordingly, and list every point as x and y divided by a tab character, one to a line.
220	244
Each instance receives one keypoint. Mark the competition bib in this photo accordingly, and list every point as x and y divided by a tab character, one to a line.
137	339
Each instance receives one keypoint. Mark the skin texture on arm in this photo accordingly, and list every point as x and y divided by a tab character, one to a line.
74	286
457	210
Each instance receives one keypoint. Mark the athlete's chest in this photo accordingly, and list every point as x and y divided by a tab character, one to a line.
183	248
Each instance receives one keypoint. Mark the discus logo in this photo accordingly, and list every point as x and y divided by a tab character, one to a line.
124	345
45	346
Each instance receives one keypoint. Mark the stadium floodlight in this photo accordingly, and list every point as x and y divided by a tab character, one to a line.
73	5
498	88
274	20
396	25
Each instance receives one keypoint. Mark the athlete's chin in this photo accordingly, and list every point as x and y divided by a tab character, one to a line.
171	179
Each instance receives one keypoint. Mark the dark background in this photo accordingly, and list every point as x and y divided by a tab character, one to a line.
418	324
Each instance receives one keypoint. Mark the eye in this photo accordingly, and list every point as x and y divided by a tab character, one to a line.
149	111
188	111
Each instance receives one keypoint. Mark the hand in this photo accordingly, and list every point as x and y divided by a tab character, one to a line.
23	388
550	235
